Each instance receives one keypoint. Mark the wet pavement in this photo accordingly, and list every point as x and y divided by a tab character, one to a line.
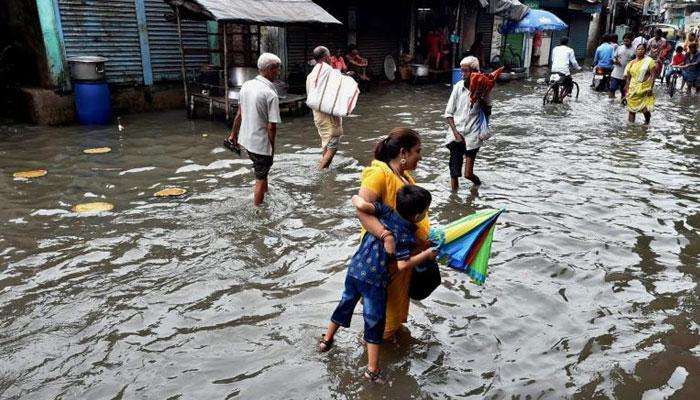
593	291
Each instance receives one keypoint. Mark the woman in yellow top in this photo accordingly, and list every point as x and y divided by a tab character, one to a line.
394	157
640	76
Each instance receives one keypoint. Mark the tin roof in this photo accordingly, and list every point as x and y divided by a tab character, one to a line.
262	12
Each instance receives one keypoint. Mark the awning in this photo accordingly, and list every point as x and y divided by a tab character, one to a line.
260	12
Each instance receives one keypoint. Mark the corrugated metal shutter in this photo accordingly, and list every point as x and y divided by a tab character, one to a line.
378	30
104	28
557	35
332	37
484	25
164	44
374	46
578	32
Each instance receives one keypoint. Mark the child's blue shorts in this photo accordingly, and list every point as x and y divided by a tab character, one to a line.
373	308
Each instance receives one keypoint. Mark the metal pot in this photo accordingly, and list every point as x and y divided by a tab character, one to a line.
87	68
238	75
419	70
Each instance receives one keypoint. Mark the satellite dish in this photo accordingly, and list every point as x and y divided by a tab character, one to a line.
389	68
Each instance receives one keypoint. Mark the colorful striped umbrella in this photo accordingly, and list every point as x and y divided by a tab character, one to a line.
465	244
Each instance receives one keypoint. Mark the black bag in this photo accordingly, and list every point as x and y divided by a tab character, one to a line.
425	279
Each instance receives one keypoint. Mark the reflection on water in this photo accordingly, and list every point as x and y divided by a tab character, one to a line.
593	291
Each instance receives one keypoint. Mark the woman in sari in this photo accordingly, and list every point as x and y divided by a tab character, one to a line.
394	157
640	76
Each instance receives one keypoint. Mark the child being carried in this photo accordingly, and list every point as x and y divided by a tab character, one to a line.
368	275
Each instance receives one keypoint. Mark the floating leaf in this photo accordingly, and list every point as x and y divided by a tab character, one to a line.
30	174
170	192
93	207
97	150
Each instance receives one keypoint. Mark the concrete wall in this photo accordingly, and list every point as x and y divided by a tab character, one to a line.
21	44
21	55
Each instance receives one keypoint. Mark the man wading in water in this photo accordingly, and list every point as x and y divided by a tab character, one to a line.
463	136
330	128
256	120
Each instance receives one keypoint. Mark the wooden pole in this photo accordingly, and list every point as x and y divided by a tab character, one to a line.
182	60
456	31
225	26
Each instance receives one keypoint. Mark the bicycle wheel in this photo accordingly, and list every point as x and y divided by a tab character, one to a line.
575	88
549	95
517	60
672	85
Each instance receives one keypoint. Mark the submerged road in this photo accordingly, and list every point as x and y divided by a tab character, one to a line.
593	291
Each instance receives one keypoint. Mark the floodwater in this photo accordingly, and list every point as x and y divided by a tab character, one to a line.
593	291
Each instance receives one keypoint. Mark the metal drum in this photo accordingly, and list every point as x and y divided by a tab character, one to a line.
87	68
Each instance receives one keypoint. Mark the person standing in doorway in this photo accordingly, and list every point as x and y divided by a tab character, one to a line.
255	125
330	128
462	117
623	54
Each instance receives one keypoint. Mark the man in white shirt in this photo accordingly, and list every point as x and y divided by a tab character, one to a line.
255	125
623	54
329	128
640	39
462	117
563	59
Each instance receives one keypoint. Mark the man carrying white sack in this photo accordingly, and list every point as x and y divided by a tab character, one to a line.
330	128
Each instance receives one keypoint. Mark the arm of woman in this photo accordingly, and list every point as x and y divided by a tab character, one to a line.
371	223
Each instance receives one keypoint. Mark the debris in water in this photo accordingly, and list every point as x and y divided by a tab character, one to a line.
97	150
93	207
170	192
30	174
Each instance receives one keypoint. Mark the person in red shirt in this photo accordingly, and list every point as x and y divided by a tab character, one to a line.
338	61
679	57
434	46
677	60
357	63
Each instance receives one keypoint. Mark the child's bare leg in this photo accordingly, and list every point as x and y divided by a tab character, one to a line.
328	337
372	357
454	181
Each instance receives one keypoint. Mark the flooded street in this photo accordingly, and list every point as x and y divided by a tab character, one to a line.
592	293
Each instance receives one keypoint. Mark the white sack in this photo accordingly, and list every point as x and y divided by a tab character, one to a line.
330	92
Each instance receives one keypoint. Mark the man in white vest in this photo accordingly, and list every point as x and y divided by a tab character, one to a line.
330	128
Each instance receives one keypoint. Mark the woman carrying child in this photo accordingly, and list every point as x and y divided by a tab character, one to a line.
394	157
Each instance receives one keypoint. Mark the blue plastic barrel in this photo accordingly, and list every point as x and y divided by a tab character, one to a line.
456	75
92	103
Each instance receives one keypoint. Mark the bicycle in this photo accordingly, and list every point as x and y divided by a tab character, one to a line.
557	92
672	81
601	79
508	59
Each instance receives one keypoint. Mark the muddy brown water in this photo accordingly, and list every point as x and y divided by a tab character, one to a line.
593	289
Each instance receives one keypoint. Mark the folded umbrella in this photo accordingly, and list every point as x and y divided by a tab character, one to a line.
465	244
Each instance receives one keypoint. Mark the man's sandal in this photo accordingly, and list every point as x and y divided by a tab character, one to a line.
324	345
375	377
234	147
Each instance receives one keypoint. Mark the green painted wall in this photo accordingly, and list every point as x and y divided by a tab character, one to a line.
50	28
